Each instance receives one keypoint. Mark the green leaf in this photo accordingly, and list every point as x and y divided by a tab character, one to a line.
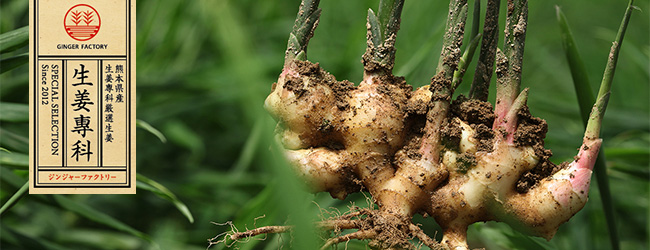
476	19
14	112
14	141
290	197
179	133
145	183
375	29
493	235
14	198
27	241
629	153
147	127
385	12
14	159
97	216
630	172
13	62
250	147
99	239
10	177
13	40
529	242
577	66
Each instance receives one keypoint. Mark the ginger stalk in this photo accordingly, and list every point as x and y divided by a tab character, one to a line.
483	74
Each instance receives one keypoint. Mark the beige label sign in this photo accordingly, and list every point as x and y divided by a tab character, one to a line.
82	96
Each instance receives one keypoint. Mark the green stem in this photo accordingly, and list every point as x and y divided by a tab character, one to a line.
465	61
303	30
382	34
389	16
483	73
596	116
453	38
513	49
15	198
468	55
511	119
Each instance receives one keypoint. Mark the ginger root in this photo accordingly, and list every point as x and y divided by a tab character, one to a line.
418	151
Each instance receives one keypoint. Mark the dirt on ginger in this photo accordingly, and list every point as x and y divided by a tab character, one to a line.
420	152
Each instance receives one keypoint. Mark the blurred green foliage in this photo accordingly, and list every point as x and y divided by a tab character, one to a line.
203	70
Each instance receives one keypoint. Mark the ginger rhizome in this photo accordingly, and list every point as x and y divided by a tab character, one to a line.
419	151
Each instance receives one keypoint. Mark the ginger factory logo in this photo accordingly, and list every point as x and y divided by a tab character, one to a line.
82	22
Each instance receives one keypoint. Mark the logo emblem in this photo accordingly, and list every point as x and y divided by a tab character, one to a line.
82	22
